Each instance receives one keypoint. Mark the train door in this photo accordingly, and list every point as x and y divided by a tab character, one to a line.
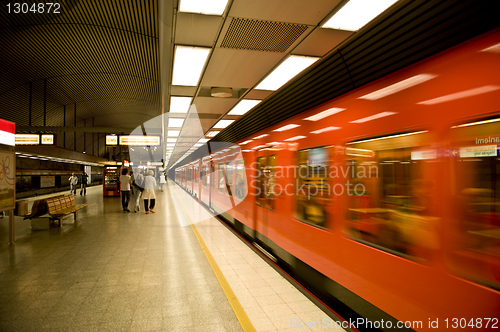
264	197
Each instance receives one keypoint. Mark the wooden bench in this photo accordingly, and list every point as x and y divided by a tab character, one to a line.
61	206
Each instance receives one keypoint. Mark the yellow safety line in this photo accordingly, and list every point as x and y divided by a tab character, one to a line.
245	322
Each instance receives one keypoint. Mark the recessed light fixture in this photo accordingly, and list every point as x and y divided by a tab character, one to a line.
223	124
373	117
175	122
169	140
173	133
246	142
324	114
180	104
188	65
263	135
244	106
288	69
212	133
212	7
356	13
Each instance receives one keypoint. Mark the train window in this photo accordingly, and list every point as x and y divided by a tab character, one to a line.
260	181
475	160
240	182
390	182
229	178
204	174
222	182
196	175
313	189
265	181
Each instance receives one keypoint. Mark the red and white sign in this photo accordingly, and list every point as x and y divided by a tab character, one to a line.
7	132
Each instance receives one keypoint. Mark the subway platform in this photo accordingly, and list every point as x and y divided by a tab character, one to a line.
117	271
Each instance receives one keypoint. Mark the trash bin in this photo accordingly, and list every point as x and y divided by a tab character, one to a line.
21	208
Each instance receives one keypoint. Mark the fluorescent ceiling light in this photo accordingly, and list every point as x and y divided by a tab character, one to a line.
323	130
173	133
324	114
264	135
295	138
386	137
356	13
287	127
246	142
212	133
288	69
180	104
373	117
198	144
212	7
175	122
203	140
244	106
459	95
396	87
223	124
188	65
476	123
171	140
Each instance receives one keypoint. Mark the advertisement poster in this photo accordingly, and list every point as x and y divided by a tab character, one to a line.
7	180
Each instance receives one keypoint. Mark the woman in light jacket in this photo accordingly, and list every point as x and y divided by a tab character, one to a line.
149	192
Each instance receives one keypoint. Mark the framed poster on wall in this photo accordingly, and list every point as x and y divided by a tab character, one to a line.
7	180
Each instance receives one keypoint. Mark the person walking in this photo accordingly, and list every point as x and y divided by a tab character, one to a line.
85	179
149	192
125	189
162	181
138	183
73	182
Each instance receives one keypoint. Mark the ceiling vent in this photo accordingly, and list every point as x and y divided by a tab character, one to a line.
256	35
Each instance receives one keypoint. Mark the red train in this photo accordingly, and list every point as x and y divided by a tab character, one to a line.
386	199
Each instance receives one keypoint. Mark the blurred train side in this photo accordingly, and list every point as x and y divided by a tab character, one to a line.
421	241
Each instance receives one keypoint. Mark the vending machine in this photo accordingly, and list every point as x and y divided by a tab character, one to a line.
111	185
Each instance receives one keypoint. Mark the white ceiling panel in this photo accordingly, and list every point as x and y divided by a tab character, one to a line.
321	41
196	30
238	68
309	12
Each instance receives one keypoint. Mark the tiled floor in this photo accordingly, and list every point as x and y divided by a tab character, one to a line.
117	271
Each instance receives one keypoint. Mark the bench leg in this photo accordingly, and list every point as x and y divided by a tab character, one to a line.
76	215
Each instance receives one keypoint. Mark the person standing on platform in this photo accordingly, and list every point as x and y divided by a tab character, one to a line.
85	179
73	182
162	181
125	189
149	192
138	183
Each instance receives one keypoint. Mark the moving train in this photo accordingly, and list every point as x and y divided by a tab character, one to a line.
385	202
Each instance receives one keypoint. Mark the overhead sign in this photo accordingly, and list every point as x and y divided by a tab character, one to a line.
423	154
139	140
111	140
478	151
27	139
47	139
7	132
